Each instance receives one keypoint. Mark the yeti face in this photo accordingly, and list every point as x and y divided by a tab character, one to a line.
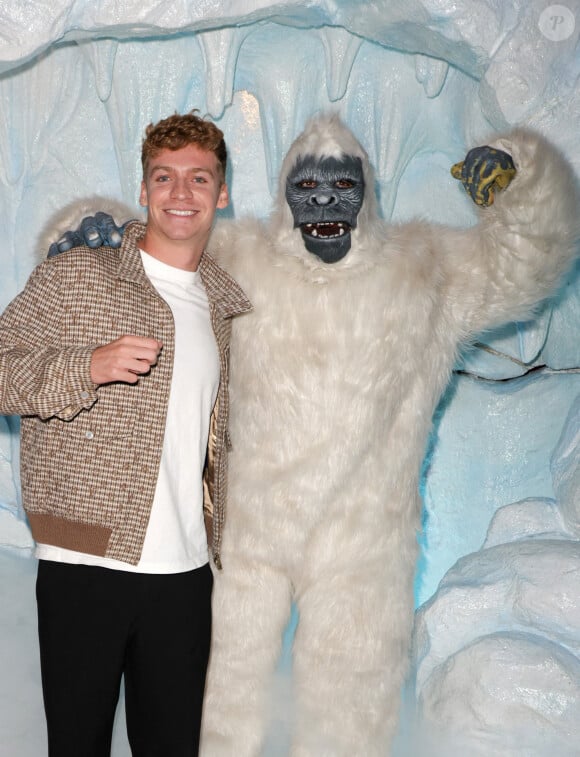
325	195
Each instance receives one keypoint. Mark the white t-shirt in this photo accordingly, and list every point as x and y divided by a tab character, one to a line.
176	539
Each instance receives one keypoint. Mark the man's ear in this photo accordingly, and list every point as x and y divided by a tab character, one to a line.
143	199
224	197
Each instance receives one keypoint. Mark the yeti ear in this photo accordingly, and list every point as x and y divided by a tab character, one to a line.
70	217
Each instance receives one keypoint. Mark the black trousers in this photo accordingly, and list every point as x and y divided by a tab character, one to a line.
96	625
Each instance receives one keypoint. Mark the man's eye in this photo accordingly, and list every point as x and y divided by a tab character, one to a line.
162	177
307	184
199	179
344	184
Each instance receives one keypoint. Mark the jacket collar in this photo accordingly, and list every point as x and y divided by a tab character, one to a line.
223	292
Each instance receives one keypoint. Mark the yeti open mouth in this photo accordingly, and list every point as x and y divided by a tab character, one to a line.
326	229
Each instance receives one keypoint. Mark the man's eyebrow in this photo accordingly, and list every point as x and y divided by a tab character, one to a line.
193	169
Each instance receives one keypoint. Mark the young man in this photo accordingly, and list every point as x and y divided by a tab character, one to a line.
117	362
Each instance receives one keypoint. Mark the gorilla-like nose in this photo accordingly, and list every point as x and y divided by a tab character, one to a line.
322	198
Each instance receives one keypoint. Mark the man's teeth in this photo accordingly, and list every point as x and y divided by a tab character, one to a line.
181	212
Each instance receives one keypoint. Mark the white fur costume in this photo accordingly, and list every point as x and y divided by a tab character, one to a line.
335	375
334	379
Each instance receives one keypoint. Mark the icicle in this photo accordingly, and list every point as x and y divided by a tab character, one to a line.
431	73
220	51
101	55
340	49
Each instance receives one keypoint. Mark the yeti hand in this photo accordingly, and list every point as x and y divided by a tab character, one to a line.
484	171
94	231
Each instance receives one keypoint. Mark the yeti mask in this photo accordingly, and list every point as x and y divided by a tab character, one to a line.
326	208
325	195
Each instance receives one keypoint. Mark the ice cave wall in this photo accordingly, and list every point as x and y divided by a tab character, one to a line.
419	82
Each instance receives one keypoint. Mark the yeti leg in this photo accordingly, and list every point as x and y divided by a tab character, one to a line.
350	660
251	605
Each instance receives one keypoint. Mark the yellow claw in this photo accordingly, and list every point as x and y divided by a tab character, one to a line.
456	170
504	177
498	180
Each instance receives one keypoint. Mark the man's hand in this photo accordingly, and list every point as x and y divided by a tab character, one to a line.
484	171
125	359
94	231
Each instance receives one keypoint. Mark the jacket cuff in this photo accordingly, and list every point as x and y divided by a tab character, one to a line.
81	389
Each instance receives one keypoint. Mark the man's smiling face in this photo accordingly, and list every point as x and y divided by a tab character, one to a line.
182	189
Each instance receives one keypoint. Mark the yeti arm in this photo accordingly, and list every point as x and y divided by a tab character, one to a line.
38	374
525	241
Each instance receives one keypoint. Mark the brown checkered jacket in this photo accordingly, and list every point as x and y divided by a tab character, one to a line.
90	456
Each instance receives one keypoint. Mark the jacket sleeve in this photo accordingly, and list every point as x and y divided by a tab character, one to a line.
41	375
522	246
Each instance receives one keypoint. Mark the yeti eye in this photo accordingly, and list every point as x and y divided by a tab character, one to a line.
344	184
307	184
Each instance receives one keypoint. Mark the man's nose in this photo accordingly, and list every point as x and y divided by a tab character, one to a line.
181	188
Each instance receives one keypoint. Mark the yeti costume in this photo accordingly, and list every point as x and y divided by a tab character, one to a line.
334	378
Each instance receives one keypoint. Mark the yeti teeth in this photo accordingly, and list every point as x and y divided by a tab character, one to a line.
314	229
